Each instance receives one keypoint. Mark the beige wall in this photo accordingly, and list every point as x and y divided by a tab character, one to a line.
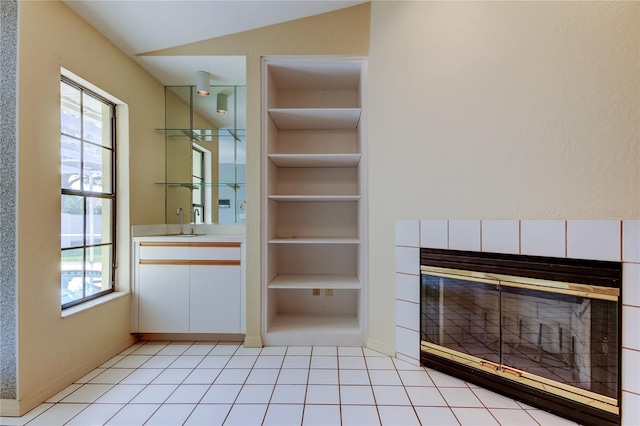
53	351
344	32
498	110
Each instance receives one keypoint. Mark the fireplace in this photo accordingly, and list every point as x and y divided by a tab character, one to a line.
543	330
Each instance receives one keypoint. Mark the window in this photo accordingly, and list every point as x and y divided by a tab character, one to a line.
88	187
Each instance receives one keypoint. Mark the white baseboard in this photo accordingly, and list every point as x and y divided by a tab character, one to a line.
381	347
191	337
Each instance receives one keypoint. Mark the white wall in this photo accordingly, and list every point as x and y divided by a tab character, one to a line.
498	110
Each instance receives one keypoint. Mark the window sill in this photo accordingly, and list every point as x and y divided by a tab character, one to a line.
92	303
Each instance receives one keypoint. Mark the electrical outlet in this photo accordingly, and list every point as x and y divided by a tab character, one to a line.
328	292
316	292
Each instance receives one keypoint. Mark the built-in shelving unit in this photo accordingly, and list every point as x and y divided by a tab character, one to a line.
314	201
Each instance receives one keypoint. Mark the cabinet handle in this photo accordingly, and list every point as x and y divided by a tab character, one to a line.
164	262
189	262
189	244
216	262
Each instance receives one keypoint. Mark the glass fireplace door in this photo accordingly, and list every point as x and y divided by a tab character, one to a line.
554	336
462	316
562	337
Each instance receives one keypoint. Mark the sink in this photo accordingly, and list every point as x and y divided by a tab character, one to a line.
183	235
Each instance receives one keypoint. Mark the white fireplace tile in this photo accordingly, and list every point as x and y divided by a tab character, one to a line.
408	287
408	260
408	233
630	333
631	284
408	315
434	234
631	409
630	370
501	236
631	241
543	238
464	235
408	342
594	239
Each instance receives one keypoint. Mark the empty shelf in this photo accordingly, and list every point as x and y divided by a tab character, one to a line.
315	160
314	240
301	198
315	118
337	282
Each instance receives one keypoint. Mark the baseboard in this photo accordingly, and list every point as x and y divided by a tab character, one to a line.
9	408
38	396
192	337
378	346
253	342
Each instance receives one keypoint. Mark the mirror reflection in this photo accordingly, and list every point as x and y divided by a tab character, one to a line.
205	151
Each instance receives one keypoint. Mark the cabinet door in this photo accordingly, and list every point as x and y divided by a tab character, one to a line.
163	299
215	299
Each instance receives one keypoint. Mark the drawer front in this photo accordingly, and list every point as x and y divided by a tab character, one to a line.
187	251
152	252
215	252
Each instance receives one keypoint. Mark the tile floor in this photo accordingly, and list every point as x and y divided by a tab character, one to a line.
215	383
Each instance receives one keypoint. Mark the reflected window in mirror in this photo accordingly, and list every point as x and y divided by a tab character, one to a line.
198	198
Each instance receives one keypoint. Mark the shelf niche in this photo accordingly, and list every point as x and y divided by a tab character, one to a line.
314	285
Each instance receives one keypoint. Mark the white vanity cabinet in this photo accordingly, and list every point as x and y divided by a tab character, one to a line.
194	286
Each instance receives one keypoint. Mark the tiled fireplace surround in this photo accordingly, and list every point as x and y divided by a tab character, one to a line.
612	240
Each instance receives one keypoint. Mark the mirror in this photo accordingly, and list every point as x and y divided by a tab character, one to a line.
205	154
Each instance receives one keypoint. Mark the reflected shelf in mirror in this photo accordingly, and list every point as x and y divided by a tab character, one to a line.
196	135
191	185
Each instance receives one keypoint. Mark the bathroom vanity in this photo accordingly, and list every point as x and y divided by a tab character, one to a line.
188	284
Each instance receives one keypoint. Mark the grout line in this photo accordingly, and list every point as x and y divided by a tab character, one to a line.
519	237
566	238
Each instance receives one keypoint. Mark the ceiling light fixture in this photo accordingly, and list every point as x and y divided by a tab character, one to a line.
202	83
222	103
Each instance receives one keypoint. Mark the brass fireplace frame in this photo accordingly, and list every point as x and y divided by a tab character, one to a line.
571	289
589	288
593	292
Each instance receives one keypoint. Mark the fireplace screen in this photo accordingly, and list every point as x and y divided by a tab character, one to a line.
556	337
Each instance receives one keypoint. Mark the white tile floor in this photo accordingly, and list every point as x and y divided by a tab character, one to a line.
208	383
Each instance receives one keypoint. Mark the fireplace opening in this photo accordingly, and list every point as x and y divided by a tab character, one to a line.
545	331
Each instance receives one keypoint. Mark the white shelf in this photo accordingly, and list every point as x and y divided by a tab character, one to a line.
314	240
315	160
315	118
337	282
301	198
334	324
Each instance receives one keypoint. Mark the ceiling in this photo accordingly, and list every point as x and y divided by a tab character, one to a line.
141	26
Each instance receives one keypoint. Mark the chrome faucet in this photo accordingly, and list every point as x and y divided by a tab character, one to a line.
179	213
195	213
